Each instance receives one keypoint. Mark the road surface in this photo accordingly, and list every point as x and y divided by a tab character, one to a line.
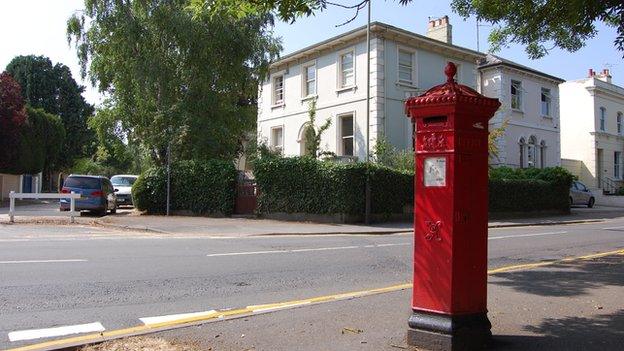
84	279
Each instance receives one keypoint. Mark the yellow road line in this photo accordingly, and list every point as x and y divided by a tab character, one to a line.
249	310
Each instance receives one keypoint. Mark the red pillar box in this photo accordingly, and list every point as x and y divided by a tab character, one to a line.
450	217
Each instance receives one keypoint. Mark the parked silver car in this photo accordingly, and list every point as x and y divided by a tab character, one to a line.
123	187
581	195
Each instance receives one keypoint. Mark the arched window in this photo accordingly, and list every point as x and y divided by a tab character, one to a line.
603	118
531	152
522	146
543	154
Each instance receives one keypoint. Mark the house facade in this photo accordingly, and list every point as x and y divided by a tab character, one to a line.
529	113
403	64
24	183
333	73
592	136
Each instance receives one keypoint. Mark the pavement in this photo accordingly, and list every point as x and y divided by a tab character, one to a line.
127	219
567	306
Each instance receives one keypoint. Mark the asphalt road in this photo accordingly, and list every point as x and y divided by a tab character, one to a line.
55	276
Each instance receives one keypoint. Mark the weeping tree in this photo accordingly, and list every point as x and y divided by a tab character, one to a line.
173	76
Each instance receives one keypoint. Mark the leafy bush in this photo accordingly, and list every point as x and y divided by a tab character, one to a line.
86	165
529	189
201	187
307	185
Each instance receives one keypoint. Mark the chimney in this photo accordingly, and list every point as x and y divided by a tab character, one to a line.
604	76
440	29
591	73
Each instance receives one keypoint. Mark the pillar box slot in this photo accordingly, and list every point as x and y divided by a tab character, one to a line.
449	301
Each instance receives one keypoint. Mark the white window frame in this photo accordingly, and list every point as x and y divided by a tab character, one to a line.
602	119
548	102
305	94
413	52
519	93
274	101
275	146
340	137
340	86
617	164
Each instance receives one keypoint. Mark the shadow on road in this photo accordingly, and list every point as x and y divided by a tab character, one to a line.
569	279
604	332
598	332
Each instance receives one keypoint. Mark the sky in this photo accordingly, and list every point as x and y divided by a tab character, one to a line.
38	27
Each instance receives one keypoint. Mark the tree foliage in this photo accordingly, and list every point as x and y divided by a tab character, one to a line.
42	139
174	75
53	89
12	117
539	25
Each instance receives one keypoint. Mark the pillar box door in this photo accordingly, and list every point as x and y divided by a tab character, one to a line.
450	216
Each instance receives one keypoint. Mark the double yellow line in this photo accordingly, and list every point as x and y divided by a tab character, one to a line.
258	309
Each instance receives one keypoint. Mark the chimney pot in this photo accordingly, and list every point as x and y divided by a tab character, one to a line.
591	73
440	29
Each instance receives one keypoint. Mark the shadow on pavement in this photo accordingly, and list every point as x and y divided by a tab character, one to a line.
604	332
568	279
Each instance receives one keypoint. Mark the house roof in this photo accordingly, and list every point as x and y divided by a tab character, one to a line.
493	61
377	28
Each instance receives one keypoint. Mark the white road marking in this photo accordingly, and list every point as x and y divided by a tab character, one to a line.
57	331
305	250
613	228
43	261
175	317
525	235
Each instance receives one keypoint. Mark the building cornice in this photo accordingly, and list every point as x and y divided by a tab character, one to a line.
522	70
378	30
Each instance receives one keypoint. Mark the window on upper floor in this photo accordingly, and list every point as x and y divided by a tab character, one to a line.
603	118
277	139
346	135
347	70
406	66
516	95
278	90
309	80
619	123
546	105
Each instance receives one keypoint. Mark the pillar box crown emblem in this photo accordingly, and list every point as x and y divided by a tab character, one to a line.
449	299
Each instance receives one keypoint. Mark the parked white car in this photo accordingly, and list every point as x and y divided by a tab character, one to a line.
581	195
123	188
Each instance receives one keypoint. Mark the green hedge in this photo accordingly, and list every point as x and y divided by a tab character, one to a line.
529	189
306	185
201	187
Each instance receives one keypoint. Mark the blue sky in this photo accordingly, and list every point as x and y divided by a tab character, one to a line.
38	27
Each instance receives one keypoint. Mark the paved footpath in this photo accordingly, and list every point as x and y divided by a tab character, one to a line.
568	306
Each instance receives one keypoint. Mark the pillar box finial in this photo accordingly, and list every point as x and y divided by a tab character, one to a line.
449	295
450	71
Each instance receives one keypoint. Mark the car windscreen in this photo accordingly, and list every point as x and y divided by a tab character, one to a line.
82	183
123	181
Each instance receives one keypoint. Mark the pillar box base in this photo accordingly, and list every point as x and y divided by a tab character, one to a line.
441	332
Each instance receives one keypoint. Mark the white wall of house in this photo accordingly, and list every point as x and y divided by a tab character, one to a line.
388	93
532	136
584	139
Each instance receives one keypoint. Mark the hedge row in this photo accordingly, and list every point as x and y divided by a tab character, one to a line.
200	187
526	195
306	185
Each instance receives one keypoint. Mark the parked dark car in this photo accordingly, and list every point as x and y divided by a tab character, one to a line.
97	194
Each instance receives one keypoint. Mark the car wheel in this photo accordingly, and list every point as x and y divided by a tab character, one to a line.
114	210
591	202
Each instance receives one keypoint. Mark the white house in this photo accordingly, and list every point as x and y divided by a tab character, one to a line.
529	111
334	73
403	64
592	135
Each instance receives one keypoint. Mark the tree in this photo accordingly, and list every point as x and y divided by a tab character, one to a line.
313	134
537	25
53	89
174	76
12	117
42	139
